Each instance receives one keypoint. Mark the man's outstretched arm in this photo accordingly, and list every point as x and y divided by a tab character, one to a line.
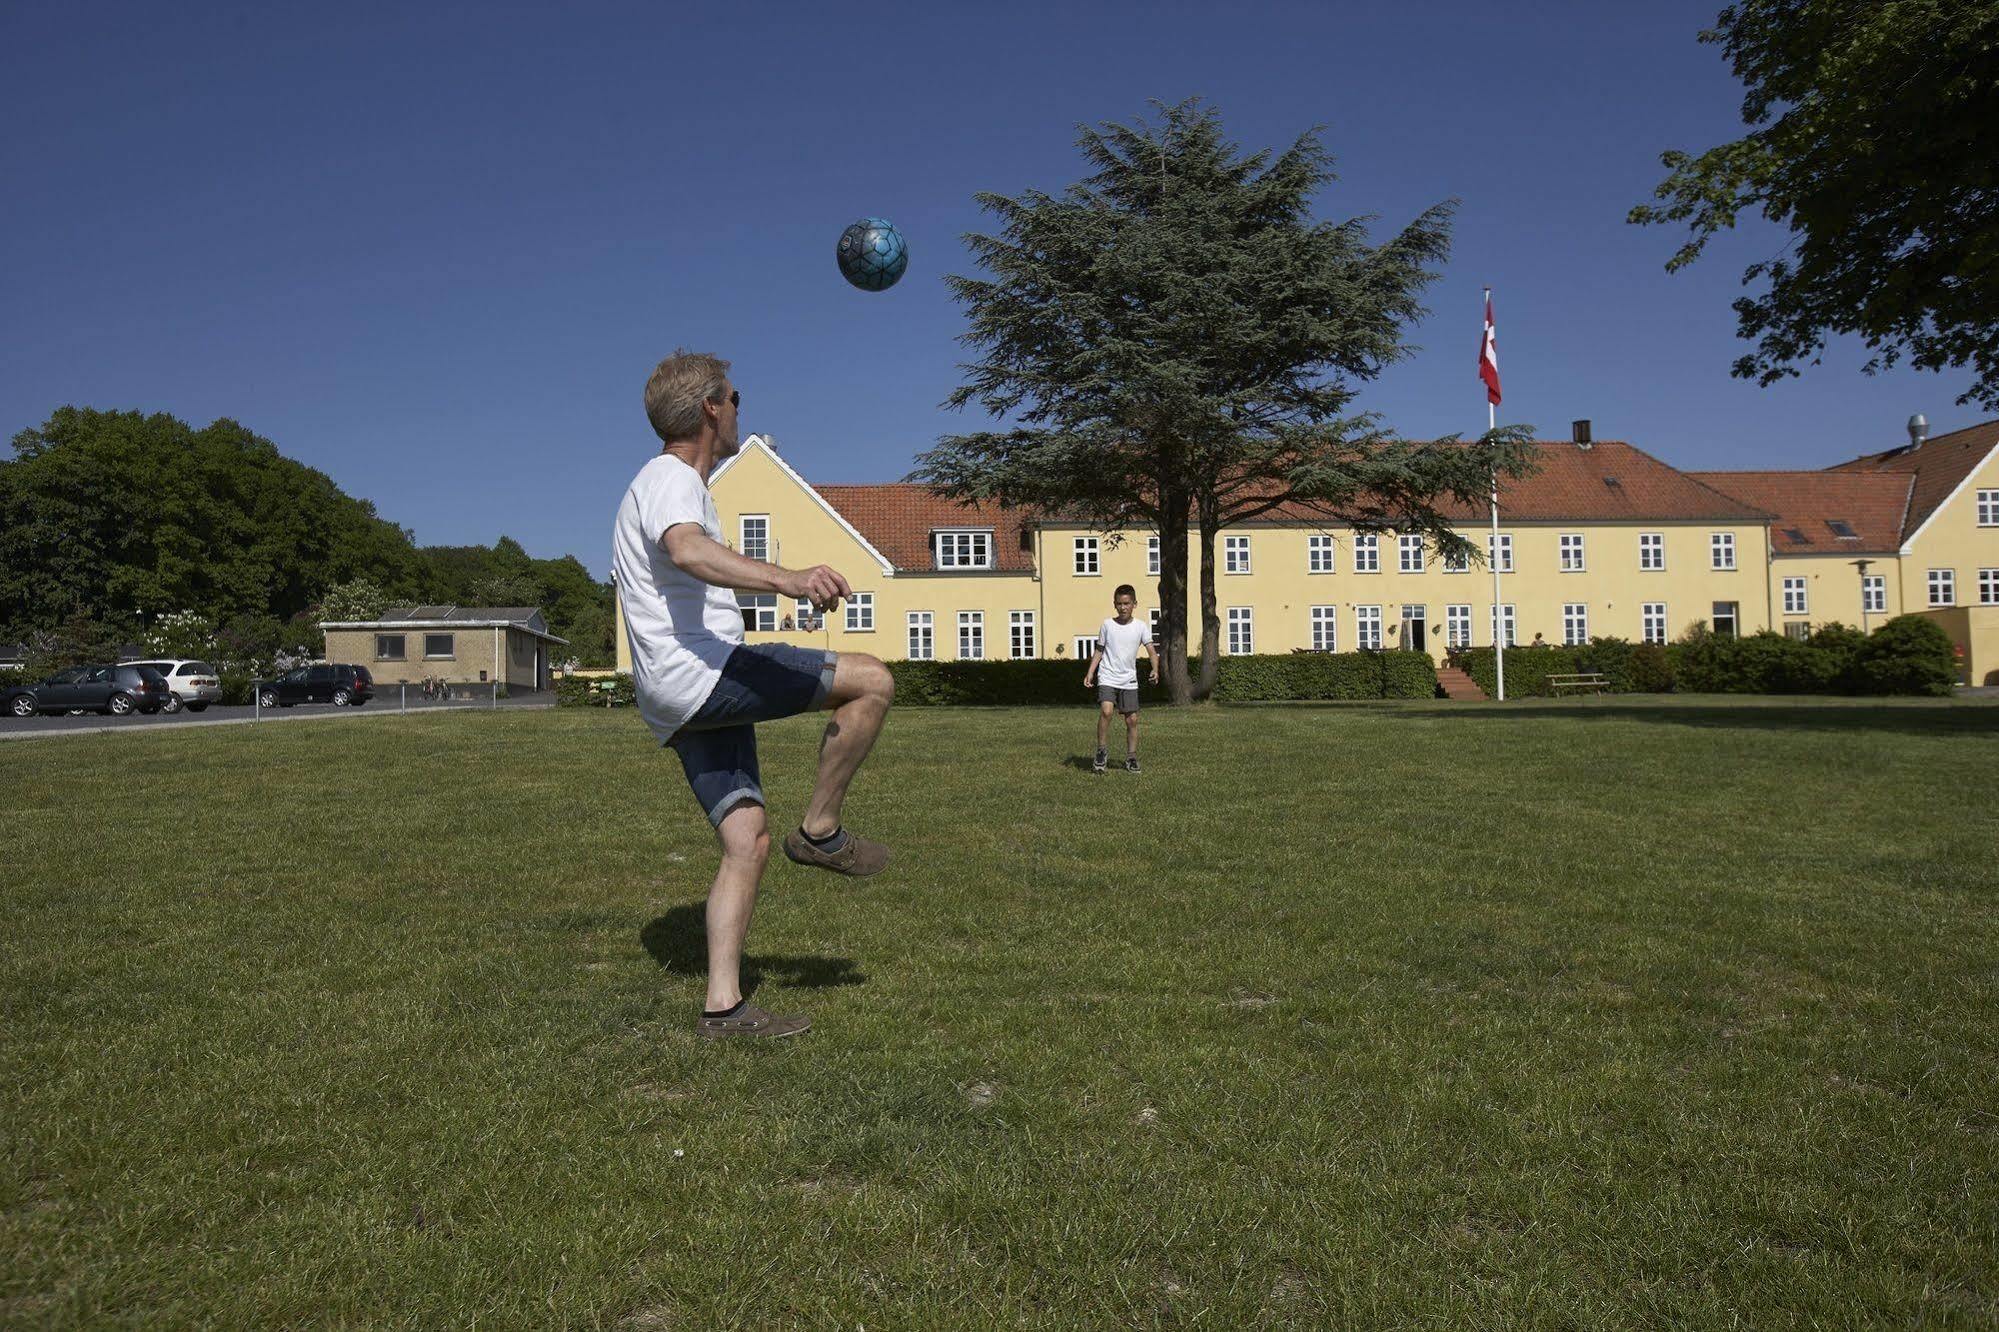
694	551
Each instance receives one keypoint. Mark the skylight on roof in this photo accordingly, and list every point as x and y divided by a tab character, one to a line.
1842	529
1797	536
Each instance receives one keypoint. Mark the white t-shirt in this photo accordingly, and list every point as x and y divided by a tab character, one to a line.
680	629
1120	644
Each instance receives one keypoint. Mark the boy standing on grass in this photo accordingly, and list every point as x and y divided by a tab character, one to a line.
1114	671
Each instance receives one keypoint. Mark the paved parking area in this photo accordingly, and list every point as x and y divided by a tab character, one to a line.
23	728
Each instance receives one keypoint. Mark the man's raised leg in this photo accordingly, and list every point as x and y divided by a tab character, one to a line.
859	699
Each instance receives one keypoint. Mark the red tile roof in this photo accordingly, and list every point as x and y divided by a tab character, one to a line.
1938	467
1610	481
898	517
1806	504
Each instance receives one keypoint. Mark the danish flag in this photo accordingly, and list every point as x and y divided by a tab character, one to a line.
1488	356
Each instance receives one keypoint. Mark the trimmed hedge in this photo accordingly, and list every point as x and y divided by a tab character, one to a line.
1295	676
578	691
1907	655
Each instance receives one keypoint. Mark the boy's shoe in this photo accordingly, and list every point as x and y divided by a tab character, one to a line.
1101	762
749	1020
1131	763
857	856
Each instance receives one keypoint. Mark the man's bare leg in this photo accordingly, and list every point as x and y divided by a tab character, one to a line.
1103	724
745	837
1131	735
859	700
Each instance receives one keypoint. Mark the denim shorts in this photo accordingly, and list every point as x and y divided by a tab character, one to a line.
718	744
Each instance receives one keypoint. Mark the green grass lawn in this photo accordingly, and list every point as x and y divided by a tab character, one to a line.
1590	1014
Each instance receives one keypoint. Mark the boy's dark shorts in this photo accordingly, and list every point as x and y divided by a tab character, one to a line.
718	744
1126	699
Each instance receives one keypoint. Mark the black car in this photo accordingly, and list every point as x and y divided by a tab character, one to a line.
117	691
342	686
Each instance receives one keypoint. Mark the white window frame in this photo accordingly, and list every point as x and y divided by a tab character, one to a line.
1242	631
1796	597
1409	544
1152	557
1502	559
1457	625
1088	564
861	613
971	635
1988	508
1571	545
1319	553
1874	593
1086	647
1367	628
1946	580
1652	622
756	601
1988	587
1366	553
1575	623
1235	554
1457	564
1504	618
1325	628
1020	635
962	547
743	536
1721	551
1651	552
922	635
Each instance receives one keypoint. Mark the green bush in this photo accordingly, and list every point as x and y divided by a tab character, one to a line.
1527	668
1292	676
1907	655
578	691
237	686
1651	669
16	675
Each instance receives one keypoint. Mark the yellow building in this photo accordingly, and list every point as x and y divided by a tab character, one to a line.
1601	540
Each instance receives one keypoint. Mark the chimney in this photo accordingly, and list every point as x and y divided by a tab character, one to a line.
1579	432
1919	430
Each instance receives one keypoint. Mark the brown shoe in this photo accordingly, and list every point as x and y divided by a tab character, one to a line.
858	857
749	1020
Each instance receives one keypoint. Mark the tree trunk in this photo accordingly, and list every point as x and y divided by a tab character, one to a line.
1173	594
1211	623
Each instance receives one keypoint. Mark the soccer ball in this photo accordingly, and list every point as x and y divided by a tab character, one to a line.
872	254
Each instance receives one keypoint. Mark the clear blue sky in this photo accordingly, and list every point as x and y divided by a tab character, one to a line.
434	251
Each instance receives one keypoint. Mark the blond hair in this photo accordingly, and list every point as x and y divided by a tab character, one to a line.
678	387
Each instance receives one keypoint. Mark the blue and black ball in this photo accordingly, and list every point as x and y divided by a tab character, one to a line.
872	254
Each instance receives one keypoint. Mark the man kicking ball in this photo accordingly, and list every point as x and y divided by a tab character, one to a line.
1114	670
702	690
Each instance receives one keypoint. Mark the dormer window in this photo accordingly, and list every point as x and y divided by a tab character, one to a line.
963	548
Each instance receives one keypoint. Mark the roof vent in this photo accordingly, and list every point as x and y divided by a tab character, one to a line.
1919	430
1579	432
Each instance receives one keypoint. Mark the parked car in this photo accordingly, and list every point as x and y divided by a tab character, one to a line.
115	690
190	684
342	686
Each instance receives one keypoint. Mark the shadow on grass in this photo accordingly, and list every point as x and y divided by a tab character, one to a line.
1080	762
678	941
1939	720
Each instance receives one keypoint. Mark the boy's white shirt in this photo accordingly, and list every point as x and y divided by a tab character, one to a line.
1120	644
680	628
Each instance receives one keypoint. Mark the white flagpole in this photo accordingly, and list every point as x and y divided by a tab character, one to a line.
1498	613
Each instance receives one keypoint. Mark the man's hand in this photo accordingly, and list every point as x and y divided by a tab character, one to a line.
822	585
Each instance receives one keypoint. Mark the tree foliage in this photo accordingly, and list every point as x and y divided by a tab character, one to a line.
1874	139
115	518
1174	341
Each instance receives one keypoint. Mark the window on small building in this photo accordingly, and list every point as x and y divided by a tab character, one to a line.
437	645
390	647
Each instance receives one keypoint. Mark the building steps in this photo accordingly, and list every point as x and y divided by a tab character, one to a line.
1458	685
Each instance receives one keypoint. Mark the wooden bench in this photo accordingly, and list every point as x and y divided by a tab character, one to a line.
1593	681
